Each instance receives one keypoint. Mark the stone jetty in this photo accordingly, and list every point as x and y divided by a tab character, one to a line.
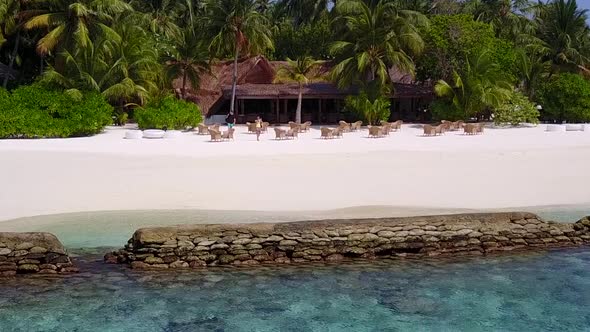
339	240
33	253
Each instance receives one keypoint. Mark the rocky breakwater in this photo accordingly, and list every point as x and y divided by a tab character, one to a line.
338	240
27	253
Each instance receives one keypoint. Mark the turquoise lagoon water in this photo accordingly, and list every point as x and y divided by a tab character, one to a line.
535	292
547	291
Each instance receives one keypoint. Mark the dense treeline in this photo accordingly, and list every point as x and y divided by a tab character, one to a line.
480	55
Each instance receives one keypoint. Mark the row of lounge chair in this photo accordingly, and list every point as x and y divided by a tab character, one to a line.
217	136
468	128
204	129
384	129
300	127
252	127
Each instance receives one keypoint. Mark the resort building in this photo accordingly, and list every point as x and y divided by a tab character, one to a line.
257	93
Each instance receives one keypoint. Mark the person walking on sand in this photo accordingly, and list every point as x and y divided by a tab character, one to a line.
258	127
230	120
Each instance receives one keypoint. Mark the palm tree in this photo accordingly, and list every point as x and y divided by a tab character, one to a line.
10	23
189	60
377	36
160	15
563	29
304	11
237	29
124	71
530	69
481	84
74	24
508	17
298	71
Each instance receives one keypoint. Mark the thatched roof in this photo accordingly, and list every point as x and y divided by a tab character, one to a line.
256	77
316	90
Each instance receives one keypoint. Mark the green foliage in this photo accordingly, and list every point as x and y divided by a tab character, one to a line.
189	60
168	113
452	39
70	25
122	119
312	39
35	112
516	110
124	70
481	85
563	28
371	111
565	98
374	37
442	109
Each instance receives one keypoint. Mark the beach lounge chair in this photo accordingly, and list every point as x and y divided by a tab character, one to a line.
456	125
203	130
440	129
479	128
215	135
386	128
356	126
375	131
326	133
265	126
337	132
228	135
469	129
280	133
292	133
447	125
215	126
251	127
344	126
397	125
429	130
305	126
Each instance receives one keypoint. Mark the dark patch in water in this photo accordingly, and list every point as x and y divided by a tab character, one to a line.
213	324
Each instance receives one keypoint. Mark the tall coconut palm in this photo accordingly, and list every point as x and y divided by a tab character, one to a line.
189	60
480	85
11	24
161	15
530	70
237	29
563	28
508	17
124	71
299	71
305	11
376	37
74	24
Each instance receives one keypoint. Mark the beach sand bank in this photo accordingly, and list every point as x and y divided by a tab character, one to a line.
502	168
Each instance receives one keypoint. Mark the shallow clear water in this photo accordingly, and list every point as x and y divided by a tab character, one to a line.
114	228
537	292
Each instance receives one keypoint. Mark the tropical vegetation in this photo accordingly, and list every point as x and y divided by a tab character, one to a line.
36	111
481	57
168	113
516	110
566	98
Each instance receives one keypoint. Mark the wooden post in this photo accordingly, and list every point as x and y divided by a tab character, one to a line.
285	110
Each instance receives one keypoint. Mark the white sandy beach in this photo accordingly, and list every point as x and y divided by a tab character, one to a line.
500	169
